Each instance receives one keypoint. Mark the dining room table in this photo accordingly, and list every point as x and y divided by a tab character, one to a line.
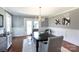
36	37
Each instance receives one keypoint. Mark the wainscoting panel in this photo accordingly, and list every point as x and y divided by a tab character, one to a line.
19	31
70	35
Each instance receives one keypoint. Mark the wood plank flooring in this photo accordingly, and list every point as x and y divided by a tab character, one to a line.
71	46
18	43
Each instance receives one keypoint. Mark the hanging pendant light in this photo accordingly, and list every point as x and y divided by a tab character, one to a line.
39	17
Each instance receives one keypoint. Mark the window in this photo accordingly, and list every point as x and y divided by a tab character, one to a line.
1	20
36	25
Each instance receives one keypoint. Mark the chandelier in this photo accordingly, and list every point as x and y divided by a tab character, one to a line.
39	17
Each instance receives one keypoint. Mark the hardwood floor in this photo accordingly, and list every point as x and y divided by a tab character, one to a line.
71	46
18	43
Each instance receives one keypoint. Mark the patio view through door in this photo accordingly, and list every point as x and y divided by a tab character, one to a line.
29	27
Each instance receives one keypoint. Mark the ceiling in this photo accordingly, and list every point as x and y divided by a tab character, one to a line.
35	11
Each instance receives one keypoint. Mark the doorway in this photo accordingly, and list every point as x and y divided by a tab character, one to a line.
29	27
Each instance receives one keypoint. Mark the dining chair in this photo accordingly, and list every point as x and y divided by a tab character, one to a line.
54	44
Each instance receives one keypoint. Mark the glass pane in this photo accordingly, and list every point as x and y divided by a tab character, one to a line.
36	25
1	21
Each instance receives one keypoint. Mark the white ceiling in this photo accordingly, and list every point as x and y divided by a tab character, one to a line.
35	11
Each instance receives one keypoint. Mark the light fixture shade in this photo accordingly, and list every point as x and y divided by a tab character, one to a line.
39	18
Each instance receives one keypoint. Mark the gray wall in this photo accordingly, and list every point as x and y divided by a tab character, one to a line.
2	11
74	18
44	24
18	21
71	31
5	16
19	28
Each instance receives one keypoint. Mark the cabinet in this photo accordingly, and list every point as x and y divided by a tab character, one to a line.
3	43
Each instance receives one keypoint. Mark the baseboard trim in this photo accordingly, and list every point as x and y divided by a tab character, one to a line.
19	36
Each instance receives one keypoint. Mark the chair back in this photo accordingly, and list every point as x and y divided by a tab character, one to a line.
55	43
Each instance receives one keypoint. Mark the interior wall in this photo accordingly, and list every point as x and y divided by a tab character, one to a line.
19	28
3	12
71	31
19	25
44	24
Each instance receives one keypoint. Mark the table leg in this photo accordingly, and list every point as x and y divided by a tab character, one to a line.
37	45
